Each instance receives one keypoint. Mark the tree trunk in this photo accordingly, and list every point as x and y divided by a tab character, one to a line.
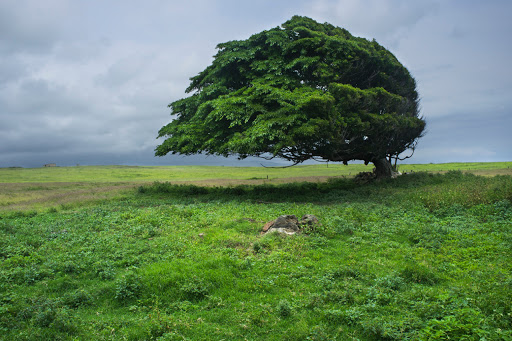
383	168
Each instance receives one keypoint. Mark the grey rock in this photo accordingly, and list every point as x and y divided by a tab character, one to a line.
287	222
309	220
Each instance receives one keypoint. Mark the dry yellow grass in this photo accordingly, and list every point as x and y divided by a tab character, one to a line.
491	172
37	196
44	195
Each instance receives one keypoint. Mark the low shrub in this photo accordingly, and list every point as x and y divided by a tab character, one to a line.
195	289
464	324
284	309
78	299
420	274
128	287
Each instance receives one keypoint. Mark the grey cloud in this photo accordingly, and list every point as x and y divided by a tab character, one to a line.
93	87
458	33
380	19
35	97
467	136
11	70
81	51
36	143
121	72
30	25
476	79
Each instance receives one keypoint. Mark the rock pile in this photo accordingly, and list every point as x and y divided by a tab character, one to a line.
290	224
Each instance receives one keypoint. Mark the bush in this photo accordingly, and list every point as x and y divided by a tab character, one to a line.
417	273
284	309
392	281
464	324
194	289
128	287
77	299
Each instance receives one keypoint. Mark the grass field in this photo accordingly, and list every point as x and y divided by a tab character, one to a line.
169	173
106	255
42	188
213	173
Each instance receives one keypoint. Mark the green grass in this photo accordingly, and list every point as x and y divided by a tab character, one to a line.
480	168
203	173
420	257
64	187
170	173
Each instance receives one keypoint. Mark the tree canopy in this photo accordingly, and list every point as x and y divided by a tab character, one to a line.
301	91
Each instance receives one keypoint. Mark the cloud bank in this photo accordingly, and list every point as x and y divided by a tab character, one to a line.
89	82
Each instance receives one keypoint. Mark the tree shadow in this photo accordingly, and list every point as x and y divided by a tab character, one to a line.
333	191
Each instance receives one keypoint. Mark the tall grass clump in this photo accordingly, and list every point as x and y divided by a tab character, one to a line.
467	190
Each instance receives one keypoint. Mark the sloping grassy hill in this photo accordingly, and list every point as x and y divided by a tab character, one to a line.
421	257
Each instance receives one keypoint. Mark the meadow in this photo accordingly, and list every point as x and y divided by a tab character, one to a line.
38	189
177	253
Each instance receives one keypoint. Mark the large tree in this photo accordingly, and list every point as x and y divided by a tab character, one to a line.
301	91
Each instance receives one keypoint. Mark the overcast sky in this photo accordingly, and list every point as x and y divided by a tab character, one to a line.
88	82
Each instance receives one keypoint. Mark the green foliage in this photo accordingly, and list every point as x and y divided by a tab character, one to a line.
194	289
417	273
128	287
284	309
300	91
78	299
177	262
465	324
